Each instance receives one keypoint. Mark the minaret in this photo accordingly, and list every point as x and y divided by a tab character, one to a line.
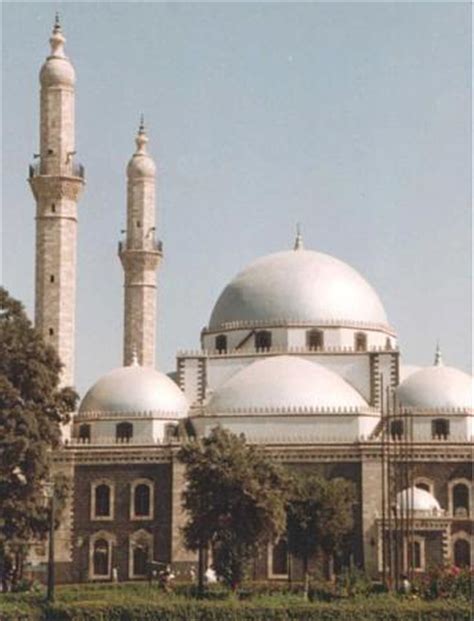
140	254
57	181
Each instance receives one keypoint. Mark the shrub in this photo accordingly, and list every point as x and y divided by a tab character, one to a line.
445	582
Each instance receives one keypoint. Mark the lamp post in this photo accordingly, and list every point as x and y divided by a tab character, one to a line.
49	490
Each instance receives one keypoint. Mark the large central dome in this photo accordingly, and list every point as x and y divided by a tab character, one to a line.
300	286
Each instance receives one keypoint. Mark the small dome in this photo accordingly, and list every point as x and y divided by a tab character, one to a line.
135	390
57	71
141	165
418	500
436	387
285	384
299	286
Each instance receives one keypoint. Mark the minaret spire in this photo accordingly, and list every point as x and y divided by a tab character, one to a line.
57	181
140	254
438	361
299	238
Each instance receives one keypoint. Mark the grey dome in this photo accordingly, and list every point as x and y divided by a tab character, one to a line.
284	383
298	286
135	390
417	499
437	387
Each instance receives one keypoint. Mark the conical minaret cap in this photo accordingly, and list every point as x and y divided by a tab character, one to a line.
141	165
57	70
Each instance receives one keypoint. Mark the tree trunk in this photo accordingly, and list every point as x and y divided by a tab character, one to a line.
330	566
201	570
306	577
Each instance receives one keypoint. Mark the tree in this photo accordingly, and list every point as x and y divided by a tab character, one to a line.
32	407
235	499
320	516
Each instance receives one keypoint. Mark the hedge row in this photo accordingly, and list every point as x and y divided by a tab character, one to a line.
388	610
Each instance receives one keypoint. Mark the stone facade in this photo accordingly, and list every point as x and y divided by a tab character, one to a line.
140	255
56	182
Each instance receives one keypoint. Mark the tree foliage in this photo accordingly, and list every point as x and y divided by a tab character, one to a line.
31	409
235	499
320	516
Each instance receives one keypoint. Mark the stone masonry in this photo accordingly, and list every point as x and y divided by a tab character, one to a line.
57	182
140	255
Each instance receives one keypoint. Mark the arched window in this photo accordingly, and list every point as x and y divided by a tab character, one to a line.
415	553
140	559
278	559
460	493
140	553
85	433
141	500
263	339
424	484
101	558
360	341
396	429
315	339
221	343
462	552
440	428
124	432
102	500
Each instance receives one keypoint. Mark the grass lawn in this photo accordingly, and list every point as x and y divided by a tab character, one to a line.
140	602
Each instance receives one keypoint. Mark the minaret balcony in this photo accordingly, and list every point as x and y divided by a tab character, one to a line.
72	170
147	245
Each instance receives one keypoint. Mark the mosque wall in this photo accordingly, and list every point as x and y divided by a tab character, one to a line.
121	526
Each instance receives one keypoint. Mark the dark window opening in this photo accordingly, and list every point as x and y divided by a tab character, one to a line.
462	553
315	339
138	224
424	486
396	429
360	341
53	208
51	332
388	344
140	560
51	278
101	558
221	343
102	500
263	339
461	500
440	428
85	433
124	432
280	558
141	500
414	555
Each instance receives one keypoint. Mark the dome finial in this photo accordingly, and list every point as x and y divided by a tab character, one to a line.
57	39
438	361
142	139
299	238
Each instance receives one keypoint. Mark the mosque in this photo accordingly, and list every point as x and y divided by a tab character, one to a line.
298	355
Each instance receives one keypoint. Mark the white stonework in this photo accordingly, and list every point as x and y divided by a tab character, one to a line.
140	254
57	181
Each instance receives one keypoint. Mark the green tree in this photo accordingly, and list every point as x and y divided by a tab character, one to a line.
235	500
31	409
320	516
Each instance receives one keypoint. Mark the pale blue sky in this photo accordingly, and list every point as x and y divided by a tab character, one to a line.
354	119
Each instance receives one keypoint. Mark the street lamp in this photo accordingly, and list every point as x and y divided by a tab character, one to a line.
49	491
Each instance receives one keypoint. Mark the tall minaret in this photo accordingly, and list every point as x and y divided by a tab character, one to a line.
57	181
140	254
